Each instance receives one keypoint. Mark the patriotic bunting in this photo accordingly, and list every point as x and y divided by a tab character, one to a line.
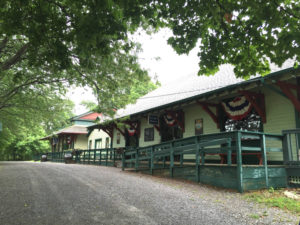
238	108
169	120
133	129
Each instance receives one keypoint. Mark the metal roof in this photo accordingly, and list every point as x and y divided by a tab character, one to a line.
191	87
74	129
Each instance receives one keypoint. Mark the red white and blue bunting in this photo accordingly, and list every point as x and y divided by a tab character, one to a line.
170	121
172	118
238	108
133	129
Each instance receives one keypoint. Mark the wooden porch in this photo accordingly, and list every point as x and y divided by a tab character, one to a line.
236	160
239	172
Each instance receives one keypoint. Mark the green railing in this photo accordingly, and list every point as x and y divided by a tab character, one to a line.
107	156
227	145
193	155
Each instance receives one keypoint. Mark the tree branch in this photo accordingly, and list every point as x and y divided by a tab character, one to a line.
14	59
16	90
90	80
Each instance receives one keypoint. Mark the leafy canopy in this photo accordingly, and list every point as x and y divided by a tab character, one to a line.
32	117
248	34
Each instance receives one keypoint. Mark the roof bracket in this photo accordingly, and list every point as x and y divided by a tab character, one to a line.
286	89
205	106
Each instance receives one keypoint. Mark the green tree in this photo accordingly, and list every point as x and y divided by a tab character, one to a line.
65	42
30	117
248	34
62	35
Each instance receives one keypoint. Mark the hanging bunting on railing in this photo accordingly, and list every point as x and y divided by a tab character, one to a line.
170	121
238	108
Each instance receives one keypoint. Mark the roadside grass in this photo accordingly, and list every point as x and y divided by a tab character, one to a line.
275	198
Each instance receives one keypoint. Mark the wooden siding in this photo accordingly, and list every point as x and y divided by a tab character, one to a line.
81	142
193	112
254	177
96	134
280	116
122	140
144	124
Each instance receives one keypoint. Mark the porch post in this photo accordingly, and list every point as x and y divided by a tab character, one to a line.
152	160
114	155
265	162
100	156
197	160
171	159
94	156
239	161
106	157
136	158
123	159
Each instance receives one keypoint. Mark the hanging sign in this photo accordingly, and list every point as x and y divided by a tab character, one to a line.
153	120
238	108
198	126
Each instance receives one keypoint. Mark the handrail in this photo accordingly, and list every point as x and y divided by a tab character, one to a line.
292	131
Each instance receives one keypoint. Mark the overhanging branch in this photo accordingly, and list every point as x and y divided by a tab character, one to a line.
14	59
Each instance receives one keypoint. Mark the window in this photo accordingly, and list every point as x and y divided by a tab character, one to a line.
252	122
90	144
169	133
149	134
98	143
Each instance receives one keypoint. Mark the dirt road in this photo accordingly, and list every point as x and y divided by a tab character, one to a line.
53	193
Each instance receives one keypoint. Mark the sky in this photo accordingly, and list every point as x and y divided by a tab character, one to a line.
170	66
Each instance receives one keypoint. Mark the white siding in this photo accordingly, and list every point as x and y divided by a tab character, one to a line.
81	142
98	134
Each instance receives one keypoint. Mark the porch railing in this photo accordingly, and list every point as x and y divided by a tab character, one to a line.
227	145
232	148
108	156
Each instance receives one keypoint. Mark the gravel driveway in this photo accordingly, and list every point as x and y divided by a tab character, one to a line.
54	193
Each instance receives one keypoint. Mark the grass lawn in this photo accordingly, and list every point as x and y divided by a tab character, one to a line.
276	198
